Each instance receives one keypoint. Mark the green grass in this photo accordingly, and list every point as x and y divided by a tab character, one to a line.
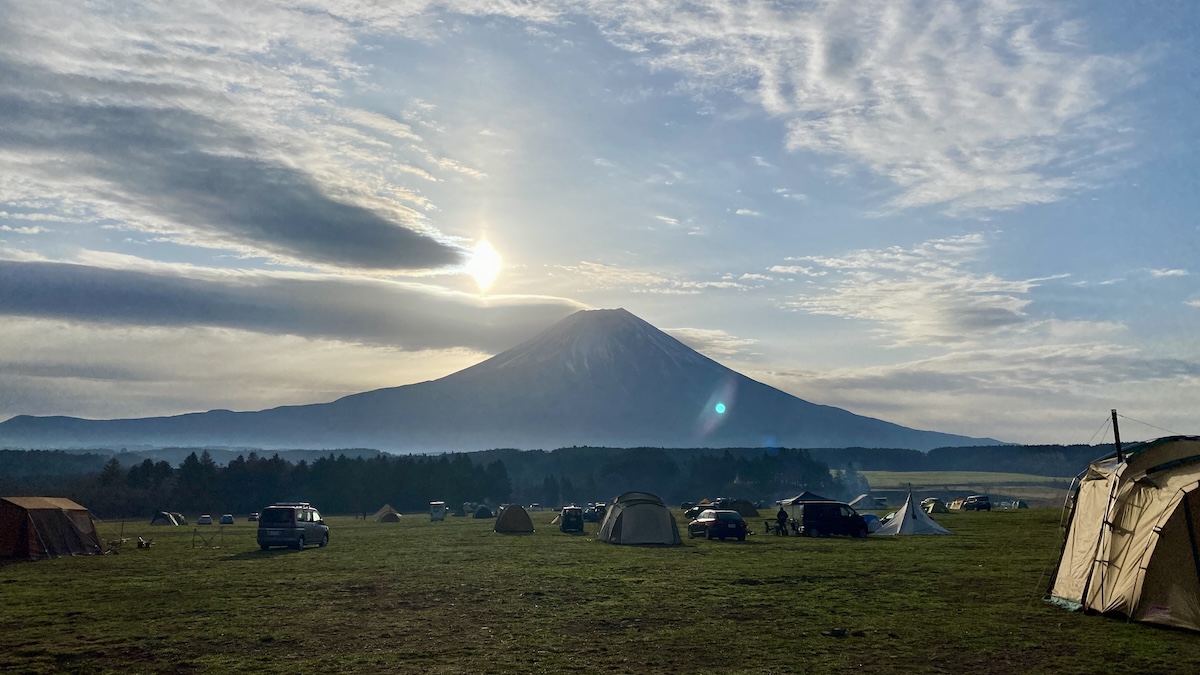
453	597
1039	490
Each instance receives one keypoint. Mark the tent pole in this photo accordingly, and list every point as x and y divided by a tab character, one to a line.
1117	437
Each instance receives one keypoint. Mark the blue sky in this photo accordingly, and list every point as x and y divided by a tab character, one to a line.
972	217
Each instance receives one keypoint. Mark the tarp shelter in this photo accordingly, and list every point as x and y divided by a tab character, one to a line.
742	506
387	514
639	518
164	518
805	496
484	512
45	527
513	519
1018	504
910	519
934	505
1133	535
868	503
957	504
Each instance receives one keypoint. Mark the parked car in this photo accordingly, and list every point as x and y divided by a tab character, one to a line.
821	519
253	517
718	524
977	503
292	524
692	512
227	519
571	519
204	520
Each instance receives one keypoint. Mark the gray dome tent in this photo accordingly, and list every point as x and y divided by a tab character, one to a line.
513	520
639	518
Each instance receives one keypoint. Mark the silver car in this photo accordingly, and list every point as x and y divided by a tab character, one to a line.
291	524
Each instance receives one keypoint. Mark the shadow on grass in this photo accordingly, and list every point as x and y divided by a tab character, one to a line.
260	554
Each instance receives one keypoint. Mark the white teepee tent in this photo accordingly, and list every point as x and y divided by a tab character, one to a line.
910	519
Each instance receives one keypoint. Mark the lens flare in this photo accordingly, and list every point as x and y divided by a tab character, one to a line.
484	264
720	408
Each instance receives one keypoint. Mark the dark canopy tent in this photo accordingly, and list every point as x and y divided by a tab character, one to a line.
32	528
484	512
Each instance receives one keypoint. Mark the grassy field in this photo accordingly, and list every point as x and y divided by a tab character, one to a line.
1042	490
453	597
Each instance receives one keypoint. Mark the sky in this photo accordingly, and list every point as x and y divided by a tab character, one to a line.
970	217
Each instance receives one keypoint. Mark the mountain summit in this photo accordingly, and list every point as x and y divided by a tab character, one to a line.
598	377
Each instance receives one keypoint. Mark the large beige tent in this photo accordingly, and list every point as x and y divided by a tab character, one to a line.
1132	546
45	527
933	505
513	519
910	519
639	518
387	514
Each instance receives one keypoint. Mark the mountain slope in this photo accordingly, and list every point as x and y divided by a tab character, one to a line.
600	377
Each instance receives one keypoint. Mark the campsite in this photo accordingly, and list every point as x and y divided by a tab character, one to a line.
453	596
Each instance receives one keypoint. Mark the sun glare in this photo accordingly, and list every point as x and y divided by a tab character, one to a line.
484	264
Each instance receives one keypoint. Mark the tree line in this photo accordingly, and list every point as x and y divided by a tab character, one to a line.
339	484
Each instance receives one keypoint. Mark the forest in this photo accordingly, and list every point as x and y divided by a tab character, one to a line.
357	481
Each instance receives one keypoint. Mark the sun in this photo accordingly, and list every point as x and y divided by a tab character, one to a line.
484	264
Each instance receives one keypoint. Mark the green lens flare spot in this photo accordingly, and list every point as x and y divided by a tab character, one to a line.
720	408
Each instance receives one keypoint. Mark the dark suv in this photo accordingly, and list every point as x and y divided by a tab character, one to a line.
821	519
977	503
291	524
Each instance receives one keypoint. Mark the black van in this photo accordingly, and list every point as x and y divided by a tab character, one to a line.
821	519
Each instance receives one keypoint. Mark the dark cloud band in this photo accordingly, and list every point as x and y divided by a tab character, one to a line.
365	311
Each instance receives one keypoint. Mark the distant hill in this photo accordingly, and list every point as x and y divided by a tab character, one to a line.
599	378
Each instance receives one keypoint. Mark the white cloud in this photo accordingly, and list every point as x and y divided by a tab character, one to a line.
1192	303
788	194
1168	273
593	275
22	230
797	269
747	212
711	342
974	106
925	295
48	367
673	222
1036	394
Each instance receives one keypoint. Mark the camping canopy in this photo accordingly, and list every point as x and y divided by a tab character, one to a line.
513	520
806	496
639	518
1133	535
45	527
910	519
386	514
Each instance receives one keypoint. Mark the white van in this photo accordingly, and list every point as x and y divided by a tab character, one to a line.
437	510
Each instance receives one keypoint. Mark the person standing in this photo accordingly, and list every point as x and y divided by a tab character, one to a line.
781	518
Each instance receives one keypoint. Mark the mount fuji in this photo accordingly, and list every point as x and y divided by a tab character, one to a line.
598	378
